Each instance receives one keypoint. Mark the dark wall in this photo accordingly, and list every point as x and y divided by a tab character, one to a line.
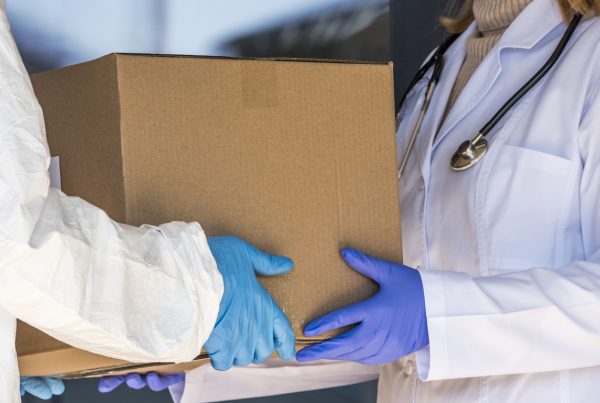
414	32
84	391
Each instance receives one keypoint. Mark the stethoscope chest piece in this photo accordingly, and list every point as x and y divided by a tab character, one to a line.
471	151
468	154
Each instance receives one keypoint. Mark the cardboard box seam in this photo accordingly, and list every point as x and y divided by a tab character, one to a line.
120	129
270	59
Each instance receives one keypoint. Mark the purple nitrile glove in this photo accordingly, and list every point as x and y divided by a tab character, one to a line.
155	382
391	324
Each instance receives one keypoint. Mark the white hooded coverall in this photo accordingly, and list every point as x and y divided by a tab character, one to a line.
69	270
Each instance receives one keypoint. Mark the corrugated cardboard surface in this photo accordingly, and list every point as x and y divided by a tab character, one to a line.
297	157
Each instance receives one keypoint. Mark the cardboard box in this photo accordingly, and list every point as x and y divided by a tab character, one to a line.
297	157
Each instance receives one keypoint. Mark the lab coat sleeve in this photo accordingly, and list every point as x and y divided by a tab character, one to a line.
138	294
541	319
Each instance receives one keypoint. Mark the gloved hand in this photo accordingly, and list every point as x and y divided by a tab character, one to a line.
249	324
392	323
42	388
156	382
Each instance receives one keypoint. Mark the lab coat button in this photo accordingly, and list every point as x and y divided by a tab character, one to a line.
409	367
421	183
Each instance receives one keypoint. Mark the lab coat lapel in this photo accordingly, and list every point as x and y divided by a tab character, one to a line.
525	32
453	59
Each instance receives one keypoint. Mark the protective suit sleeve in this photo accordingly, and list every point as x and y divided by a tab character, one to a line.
537	320
141	294
138	294
9	371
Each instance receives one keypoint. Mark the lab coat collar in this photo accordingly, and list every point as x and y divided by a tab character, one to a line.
453	60
534	23
457	50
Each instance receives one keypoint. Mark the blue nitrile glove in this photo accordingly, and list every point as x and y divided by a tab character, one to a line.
250	324
42	388
156	382
391	324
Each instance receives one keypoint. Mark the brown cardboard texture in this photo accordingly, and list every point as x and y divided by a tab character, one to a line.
296	157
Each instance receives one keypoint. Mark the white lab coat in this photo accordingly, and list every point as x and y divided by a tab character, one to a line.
139	294
509	250
275	377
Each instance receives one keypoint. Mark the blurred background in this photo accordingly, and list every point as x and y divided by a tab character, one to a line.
55	33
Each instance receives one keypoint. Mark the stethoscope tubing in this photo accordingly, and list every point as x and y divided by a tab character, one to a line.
437	62
428	95
439	53
560	48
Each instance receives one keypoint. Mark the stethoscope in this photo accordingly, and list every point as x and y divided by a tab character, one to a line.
470	152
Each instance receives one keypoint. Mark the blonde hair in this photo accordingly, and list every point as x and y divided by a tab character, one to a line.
462	15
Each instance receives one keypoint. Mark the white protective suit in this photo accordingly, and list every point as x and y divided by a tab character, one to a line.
138	294
509	250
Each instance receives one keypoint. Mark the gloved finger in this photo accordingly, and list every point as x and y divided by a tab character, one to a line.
57	387
244	357
266	341
222	360
332	349
264	348
283	335
372	267
109	383
160	382
136	381
37	387
334	320
21	390
368	354
269	265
